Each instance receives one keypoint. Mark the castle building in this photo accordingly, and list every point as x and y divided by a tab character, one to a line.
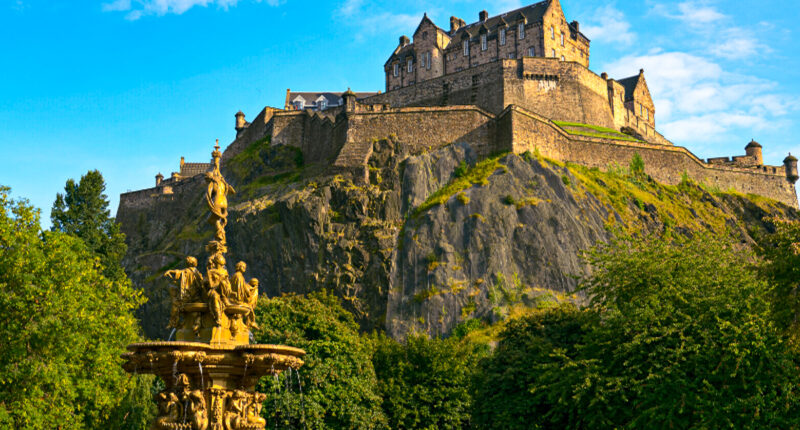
538	30
317	101
515	82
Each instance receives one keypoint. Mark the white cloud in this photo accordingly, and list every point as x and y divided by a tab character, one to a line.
139	8
697	100
692	13
608	24
736	43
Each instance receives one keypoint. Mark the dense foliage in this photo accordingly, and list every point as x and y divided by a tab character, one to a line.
425	383
82	211
64	326
678	335
339	388
781	252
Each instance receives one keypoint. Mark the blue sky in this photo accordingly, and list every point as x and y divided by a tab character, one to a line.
129	86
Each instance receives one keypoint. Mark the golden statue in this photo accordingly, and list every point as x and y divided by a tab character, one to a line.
217	197
188	288
211	370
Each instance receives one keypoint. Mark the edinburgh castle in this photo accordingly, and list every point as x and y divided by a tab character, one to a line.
515	82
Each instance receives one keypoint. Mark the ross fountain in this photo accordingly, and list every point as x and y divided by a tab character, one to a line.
211	369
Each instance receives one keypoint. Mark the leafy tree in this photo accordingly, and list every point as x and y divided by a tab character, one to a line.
339	388
425	383
781	252
82	211
679	334
64	326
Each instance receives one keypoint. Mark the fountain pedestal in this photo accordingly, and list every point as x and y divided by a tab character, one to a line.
211	370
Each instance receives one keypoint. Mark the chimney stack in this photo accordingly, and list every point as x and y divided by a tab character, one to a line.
404	41
576	25
159	178
455	24
483	15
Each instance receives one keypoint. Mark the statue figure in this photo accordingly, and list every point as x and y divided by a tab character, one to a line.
251	300
235	416
254	410
169	410
188	288
217	197
238	284
219	287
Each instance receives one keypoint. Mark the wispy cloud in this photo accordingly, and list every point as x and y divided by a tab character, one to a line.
138	8
369	18
691	13
608	24
697	100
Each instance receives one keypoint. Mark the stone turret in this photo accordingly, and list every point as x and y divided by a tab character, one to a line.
241	123
753	149
159	178
790	163
349	98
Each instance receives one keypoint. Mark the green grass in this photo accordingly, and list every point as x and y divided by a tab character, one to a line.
594	131
476	175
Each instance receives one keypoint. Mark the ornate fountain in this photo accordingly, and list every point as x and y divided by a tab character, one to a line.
211	370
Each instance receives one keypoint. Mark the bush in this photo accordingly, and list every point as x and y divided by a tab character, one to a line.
339	389
425	383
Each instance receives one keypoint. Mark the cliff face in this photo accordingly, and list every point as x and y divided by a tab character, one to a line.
434	240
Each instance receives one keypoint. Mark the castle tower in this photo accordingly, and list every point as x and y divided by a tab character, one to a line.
753	149
159	178
241	124
349	98
790	163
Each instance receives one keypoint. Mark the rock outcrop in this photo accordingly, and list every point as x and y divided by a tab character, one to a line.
431	241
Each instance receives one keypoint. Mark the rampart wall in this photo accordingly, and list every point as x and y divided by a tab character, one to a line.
666	164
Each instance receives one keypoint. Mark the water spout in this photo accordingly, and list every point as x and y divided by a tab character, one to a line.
172	333
202	382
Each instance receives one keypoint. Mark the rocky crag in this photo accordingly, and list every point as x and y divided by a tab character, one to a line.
432	241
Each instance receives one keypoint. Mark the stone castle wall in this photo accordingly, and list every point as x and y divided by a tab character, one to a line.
666	164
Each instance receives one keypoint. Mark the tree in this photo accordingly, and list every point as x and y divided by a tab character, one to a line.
678	334
82	211
781	252
64	326
425	383
339	388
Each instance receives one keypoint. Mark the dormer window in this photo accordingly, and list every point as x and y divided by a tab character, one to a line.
502	36
521	30
466	47
323	104
396	69
484	42
299	104
410	66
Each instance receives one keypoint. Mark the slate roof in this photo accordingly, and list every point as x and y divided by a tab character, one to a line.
193	169
532	13
310	98
630	86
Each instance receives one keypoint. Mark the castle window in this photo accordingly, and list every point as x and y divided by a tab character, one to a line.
502	36
531	51
428	60
466	48
562	58
484	43
424	35
552	33
422	61
410	66
521	30
553	52
511	56
562	39
396	69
